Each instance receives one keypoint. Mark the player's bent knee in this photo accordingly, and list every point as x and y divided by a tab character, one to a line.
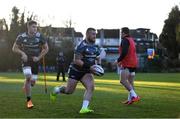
27	72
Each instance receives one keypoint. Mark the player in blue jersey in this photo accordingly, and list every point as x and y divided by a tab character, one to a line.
85	56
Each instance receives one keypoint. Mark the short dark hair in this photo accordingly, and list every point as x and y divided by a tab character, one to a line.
90	29
125	30
31	22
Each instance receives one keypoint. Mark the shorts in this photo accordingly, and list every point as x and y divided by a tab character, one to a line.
130	69
75	74
30	68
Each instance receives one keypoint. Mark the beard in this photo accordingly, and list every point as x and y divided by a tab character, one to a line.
91	41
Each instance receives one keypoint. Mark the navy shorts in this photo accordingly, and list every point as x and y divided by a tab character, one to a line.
75	74
130	69
34	66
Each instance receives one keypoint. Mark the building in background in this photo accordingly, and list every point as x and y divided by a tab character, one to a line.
56	35
110	40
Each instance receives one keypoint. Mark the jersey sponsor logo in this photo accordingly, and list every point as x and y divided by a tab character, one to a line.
30	45
90	56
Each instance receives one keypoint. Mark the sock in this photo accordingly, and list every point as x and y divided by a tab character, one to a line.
129	97
85	104
28	98
132	93
28	93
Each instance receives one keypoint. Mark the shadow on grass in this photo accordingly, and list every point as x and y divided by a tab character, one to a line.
170	88
92	115
100	85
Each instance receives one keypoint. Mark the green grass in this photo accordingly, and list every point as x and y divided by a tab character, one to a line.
160	95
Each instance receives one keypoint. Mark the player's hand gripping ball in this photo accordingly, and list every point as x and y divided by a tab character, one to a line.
97	70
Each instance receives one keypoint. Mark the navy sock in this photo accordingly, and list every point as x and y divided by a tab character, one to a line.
28	98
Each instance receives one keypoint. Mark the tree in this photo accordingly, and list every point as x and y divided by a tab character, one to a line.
13	59
68	23
178	34
168	35
3	25
14	26
22	23
3	44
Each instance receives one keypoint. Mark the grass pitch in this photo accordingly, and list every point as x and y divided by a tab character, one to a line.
160	94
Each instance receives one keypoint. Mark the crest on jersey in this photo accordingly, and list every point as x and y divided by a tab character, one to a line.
24	34
37	39
87	50
25	40
38	34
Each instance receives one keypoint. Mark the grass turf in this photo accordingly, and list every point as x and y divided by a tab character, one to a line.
160	95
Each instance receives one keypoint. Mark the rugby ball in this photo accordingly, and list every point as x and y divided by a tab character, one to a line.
98	70
56	89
